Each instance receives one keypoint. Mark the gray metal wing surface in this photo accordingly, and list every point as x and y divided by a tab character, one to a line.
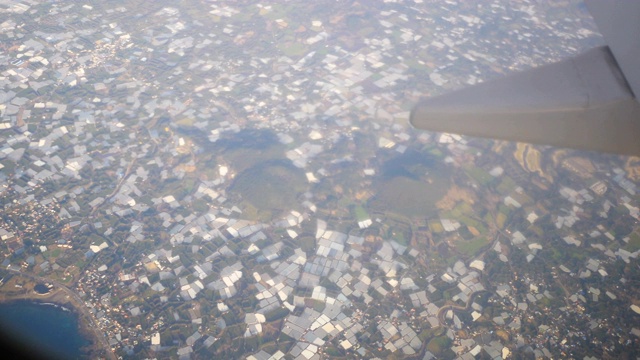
586	102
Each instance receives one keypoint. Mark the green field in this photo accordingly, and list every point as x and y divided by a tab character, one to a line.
471	247
271	186
249	148
479	175
408	197
294	49
361	213
438	345
634	242
463	213
410	185
435	226
506	186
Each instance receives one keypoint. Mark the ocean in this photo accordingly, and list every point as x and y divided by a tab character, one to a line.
49	329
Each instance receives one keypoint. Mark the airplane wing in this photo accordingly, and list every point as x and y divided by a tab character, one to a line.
586	102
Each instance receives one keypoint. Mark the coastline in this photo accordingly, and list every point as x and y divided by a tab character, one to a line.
59	297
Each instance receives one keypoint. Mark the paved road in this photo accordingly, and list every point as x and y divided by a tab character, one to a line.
444	308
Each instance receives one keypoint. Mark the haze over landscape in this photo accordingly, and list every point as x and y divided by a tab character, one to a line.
239	179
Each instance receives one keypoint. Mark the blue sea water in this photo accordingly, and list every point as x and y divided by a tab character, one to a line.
43	327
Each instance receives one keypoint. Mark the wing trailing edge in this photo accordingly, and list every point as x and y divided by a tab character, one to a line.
586	102
582	103
619	24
